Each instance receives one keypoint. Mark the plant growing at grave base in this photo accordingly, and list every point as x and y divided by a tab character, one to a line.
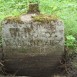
70	41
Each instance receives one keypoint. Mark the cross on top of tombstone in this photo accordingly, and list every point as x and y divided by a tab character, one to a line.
33	8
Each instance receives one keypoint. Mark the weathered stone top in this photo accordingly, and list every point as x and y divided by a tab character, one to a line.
31	18
27	17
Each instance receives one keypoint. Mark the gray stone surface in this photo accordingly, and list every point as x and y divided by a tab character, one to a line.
32	46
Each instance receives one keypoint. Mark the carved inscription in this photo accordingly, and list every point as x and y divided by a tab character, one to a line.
14	32
34	37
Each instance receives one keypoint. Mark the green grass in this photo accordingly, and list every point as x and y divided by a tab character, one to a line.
65	9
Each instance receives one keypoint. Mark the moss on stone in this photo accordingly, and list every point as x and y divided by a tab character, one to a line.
38	18
13	19
45	18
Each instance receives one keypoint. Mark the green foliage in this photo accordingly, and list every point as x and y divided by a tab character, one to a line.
71	44
70	41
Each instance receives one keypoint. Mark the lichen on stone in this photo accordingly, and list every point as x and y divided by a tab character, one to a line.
44	18
13	19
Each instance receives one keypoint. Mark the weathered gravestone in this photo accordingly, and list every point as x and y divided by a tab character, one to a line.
32	43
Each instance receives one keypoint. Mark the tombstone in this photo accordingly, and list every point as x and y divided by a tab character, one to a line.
33	44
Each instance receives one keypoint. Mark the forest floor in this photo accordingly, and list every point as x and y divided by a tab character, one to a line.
65	70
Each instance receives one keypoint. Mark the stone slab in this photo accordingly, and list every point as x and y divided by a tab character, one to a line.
30	47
